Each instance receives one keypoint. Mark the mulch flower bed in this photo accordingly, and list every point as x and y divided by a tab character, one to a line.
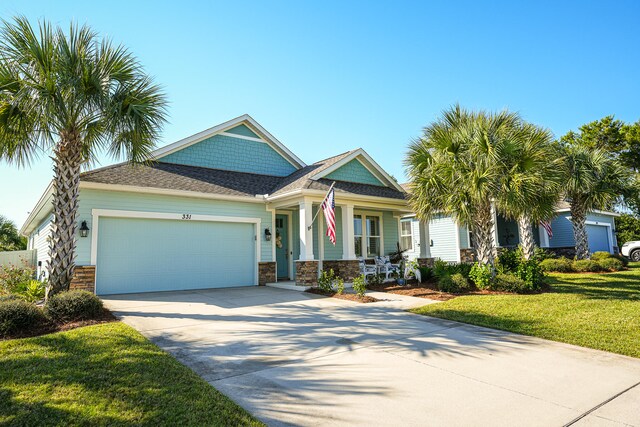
427	290
350	297
51	327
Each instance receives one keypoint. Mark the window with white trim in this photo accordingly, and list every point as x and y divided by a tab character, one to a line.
406	235
367	236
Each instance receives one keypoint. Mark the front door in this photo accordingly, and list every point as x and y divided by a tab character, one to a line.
282	246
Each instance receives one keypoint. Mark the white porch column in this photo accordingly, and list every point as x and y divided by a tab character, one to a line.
425	239
306	234
348	241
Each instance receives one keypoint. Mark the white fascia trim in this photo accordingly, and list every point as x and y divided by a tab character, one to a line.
168	192
596	211
219	129
372	167
45	198
349	196
97	213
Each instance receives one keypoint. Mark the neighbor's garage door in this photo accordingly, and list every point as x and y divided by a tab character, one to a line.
598	236
142	255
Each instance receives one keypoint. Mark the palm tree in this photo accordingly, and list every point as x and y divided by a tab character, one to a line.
75	96
592	180
10	239
453	171
529	181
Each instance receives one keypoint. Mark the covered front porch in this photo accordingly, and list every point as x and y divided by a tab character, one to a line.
364	229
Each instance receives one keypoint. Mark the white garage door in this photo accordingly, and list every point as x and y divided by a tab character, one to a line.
143	255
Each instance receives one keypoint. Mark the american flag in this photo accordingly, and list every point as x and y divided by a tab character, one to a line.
547	226
329	208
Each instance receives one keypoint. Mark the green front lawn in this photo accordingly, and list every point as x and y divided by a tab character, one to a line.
600	311
106	374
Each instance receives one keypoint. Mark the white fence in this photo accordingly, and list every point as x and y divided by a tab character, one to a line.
19	258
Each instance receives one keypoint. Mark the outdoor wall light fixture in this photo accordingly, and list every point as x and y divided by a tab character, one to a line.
267	234
84	229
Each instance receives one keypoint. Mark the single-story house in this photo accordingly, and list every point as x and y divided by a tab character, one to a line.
451	242
229	206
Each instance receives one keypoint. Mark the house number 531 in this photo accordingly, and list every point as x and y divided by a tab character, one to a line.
186	216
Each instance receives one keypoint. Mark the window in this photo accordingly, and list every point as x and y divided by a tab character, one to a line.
406	236
373	236
357	232
366	230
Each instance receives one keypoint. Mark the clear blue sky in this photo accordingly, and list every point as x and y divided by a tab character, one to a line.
334	75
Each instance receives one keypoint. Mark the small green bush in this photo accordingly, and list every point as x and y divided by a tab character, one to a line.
508	260
507	282
426	274
454	283
610	264
13	279
359	285
340	286
17	316
622	259
74	305
586	265
34	291
531	273
326	280
560	265
600	255
480	275
443	268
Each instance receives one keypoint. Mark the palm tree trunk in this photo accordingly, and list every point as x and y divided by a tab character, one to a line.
62	246
484	236
579	221
526	237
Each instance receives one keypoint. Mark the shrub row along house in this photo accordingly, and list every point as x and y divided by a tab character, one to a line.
232	206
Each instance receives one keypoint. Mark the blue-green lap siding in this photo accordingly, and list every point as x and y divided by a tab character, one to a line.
118	200
236	154
354	171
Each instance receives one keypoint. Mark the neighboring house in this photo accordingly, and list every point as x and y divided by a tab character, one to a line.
229	206
451	242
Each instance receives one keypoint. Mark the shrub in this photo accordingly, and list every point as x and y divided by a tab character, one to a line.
508	261
610	264
13	279
33	291
623	260
531	273
453	283
480	275
442	268
560	265
359	285
339	285
426	274
19	316
586	265
600	255
73	305
507	282
326	279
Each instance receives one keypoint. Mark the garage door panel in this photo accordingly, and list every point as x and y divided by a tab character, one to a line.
141	255
598	237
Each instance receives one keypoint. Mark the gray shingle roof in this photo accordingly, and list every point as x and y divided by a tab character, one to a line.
216	181
185	178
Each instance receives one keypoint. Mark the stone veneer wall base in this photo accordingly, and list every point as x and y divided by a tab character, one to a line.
266	272
344	268
306	273
84	278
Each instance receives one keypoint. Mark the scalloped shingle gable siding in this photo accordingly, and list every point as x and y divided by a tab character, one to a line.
229	153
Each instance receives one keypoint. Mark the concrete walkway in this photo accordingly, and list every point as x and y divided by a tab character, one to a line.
293	358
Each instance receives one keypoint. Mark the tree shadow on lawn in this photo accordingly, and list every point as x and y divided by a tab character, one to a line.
606	286
103	378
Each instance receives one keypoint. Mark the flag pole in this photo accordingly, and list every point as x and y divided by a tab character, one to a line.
325	198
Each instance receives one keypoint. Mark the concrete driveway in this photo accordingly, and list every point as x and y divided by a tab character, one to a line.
292	358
